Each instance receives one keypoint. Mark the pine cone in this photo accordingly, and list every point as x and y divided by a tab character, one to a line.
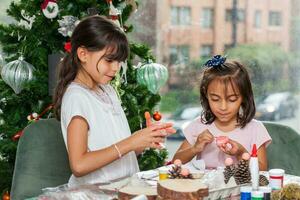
242	173
229	171
263	181
175	172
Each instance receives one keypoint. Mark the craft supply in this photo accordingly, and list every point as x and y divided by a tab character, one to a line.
246	192
267	192
254	169
276	178
257	195
163	173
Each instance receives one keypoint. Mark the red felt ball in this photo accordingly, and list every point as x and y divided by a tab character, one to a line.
157	116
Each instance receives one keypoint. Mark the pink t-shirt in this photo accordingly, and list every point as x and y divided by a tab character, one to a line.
253	133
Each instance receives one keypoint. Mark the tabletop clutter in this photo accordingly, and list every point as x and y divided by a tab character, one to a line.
192	181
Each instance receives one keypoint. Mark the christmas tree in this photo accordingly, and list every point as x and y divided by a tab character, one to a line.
42	28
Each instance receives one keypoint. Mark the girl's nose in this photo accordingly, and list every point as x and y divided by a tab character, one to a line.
223	104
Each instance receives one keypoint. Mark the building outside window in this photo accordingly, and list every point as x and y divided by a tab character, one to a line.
179	54
257	19
275	18
206	50
180	15
207	18
240	15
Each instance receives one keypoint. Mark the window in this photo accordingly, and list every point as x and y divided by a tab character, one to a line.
257	19
275	18
179	54
240	15
207	18
206	50
180	15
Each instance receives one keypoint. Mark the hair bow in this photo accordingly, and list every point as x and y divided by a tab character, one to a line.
216	61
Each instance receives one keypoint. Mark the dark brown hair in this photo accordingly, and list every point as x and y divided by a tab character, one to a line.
95	33
233	73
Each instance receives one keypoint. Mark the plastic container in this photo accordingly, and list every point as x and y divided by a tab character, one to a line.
246	192
163	173
257	195
267	192
276	178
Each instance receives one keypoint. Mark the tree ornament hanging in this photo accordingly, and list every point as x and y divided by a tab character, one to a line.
17	73
27	21
157	116
67	25
153	75
50	8
114	13
6	196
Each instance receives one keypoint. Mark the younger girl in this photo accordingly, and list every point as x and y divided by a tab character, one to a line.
228	110
94	126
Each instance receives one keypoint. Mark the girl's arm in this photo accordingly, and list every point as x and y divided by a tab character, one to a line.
262	158
186	152
83	162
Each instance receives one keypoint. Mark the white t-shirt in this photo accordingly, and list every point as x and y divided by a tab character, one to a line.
107	125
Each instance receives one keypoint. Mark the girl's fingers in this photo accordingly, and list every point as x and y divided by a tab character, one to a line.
171	130
155	145
148	119
155	127
159	133
158	140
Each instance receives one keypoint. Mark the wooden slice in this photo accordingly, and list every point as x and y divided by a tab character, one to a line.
191	189
130	192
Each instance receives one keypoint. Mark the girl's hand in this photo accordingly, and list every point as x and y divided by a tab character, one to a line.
202	140
149	123
150	136
233	148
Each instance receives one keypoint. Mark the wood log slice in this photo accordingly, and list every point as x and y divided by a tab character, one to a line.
188	189
129	192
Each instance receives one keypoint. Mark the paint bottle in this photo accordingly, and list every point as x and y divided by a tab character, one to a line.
163	173
254	168
276	178
257	195
246	192
267	192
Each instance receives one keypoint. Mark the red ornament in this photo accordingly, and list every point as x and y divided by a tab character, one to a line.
68	47
6	196
17	135
156	116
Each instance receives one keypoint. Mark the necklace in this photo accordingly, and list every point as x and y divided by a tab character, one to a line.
102	95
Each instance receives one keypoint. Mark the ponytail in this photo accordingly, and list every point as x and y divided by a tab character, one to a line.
67	73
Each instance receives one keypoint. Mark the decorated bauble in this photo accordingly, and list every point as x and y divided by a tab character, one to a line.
67	25
17	73
6	196
153	75
50	8
157	116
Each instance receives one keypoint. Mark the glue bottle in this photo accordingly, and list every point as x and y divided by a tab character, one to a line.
254	168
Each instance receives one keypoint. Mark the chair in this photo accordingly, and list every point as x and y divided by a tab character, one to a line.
285	148
41	160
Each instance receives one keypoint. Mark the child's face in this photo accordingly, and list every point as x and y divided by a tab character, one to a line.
102	71
224	102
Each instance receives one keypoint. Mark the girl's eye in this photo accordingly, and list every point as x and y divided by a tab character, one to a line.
215	99
233	99
109	60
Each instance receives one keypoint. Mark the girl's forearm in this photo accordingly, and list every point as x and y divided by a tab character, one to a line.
186	155
91	161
